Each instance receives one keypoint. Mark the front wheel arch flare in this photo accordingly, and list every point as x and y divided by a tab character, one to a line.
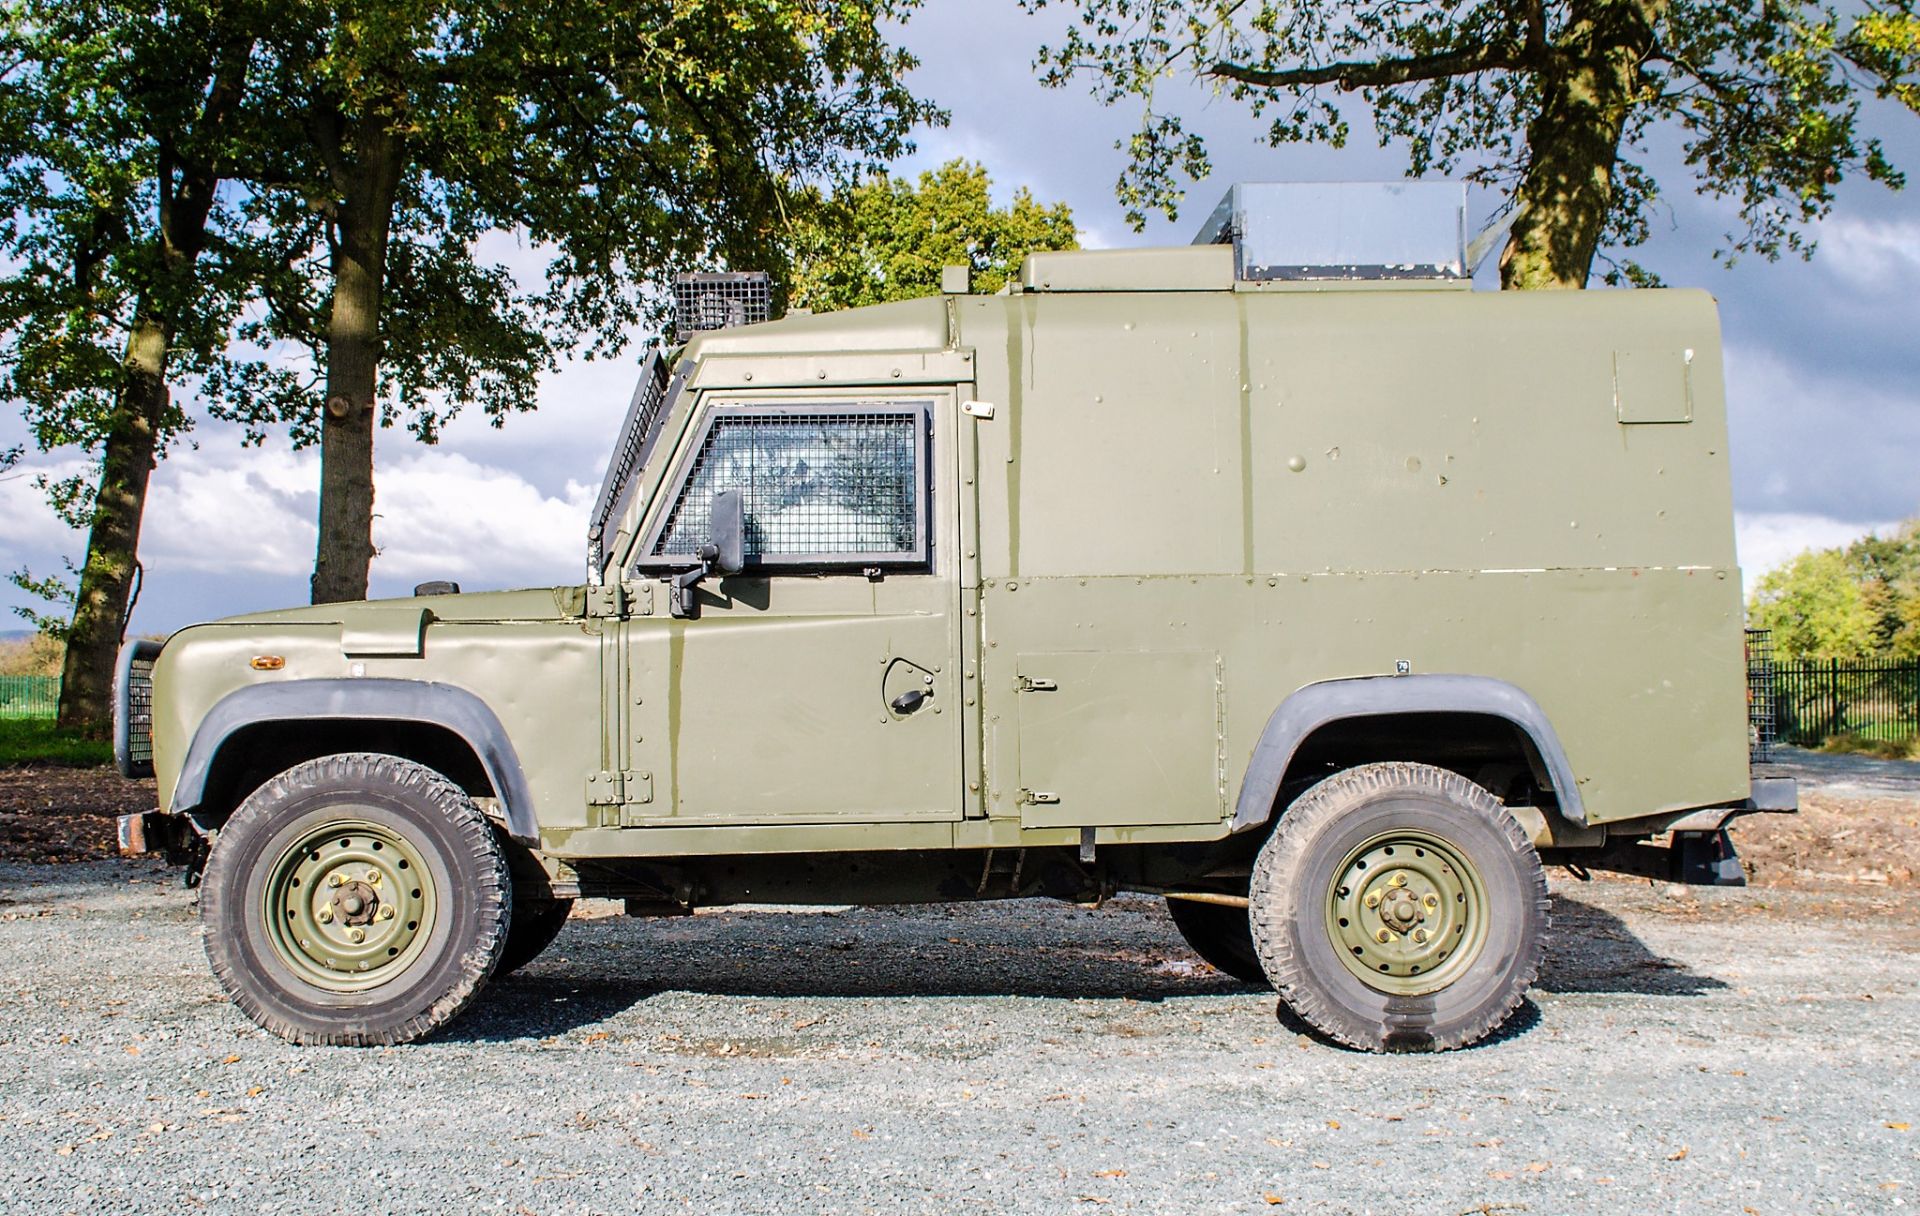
446	706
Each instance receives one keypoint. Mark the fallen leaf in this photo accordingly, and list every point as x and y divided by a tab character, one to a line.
1500	1175
1273	1200
1334	1124
1277	1143
1319	1165
803	1023
858	1134
256	1091
1110	1173
133	1049
231	1060
1898	1127
754	1096
1537	1167
1679	1156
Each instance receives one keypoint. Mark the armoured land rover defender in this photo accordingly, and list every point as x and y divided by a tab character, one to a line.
1329	601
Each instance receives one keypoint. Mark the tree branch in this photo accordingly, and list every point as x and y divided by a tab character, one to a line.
1380	72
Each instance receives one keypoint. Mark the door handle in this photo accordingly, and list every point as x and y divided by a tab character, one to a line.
909	700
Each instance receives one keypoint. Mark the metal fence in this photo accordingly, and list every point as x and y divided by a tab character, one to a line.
29	696
1812	700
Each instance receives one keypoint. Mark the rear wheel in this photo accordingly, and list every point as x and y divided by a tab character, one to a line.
1399	907
1220	934
355	900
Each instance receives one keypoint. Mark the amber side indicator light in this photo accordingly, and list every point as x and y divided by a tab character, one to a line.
267	662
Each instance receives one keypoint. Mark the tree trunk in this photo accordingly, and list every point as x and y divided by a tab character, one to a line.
131	441
106	579
345	549
1587	90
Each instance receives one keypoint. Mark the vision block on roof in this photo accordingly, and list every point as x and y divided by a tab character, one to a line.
1342	230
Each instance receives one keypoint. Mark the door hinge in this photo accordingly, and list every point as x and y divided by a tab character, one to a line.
977	409
1038	798
1036	684
605	789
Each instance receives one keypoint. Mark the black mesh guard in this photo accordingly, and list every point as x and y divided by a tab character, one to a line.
644	415
816	486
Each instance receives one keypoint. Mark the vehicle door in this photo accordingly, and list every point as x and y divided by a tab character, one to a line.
819	684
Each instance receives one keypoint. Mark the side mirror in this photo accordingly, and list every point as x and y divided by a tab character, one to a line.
729	533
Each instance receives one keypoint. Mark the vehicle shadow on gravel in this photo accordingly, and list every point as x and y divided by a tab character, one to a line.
1592	950
600	968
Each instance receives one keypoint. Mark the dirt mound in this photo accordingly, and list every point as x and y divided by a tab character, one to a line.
65	814
1833	840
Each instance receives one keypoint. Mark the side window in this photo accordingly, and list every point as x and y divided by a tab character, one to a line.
820	485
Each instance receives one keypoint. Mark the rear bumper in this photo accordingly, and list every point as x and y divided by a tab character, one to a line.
1773	796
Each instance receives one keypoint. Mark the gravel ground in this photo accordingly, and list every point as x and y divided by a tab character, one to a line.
1712	1051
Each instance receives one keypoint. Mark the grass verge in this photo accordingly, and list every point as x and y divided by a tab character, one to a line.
39	741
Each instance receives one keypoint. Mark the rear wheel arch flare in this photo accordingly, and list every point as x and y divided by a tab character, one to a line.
1334	702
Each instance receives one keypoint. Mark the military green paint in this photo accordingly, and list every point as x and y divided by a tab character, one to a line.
676	669
1246	437
1019	327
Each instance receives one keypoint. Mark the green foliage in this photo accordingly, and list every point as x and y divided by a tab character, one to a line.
39	741
617	142
1860	600
54	591
95	136
1764	96
888	239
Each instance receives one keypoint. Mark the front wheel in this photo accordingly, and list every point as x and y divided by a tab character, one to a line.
355	900
1399	907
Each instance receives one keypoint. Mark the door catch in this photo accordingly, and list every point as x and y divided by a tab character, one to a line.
1035	684
1038	798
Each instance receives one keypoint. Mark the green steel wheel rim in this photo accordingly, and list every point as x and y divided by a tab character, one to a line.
1407	912
349	906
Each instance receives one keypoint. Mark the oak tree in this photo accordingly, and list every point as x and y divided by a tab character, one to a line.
1554	103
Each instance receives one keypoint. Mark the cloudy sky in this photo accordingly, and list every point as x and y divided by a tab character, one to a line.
1822	359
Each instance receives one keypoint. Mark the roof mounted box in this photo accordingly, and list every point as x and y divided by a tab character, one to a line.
1305	231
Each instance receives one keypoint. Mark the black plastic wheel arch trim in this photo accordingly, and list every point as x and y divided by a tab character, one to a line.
1317	705
365	700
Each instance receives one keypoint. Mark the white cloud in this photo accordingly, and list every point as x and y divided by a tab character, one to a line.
443	515
1769	539
1869	253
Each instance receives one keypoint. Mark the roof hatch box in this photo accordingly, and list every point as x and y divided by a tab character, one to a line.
1306	231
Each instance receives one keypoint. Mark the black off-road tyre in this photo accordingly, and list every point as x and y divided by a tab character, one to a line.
535	924
411	854
1365	826
1221	935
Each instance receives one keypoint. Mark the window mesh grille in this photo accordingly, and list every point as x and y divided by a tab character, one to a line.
813	484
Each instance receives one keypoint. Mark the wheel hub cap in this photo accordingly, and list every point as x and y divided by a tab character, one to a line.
1406	912
349	906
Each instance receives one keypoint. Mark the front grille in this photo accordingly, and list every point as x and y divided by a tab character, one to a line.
133	708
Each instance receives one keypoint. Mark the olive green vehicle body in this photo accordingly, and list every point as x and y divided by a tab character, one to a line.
1160	504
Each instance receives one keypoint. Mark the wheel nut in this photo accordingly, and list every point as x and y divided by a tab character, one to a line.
356	935
1432	902
325	914
1373	899
1398	880
1420	935
1382	936
373	878
334	879
386	912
